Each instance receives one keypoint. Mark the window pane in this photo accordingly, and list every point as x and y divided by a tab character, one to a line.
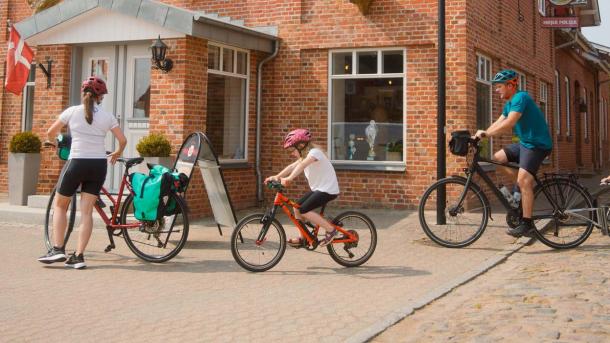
357	102
392	61
367	62
213	57
342	63
484	115
141	88
242	63
226	119
227	60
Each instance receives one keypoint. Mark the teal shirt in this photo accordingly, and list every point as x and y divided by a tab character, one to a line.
531	128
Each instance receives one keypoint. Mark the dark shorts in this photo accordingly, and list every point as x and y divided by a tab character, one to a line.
314	199
528	159
90	174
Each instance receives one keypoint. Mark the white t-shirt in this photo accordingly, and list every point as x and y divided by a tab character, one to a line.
88	140
321	174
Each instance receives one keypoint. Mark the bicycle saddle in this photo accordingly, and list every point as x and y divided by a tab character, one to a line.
130	162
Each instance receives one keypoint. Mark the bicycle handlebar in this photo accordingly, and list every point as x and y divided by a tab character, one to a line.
275	185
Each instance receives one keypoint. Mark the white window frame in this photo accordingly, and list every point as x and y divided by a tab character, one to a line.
356	76
26	94
484	77
568	106
542	7
557	120
522	81
544	99
247	90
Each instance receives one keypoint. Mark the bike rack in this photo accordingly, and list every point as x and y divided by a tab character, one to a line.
197	150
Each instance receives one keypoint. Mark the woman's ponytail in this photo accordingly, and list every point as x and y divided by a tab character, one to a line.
88	102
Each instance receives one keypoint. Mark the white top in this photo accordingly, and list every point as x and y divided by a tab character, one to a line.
321	174
88	140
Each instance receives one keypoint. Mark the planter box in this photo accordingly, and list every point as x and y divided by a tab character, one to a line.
22	177
164	161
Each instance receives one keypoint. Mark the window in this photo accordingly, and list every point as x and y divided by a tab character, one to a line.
484	96
585	105
542	7
367	114
544	99
557	103
568	109
27	111
141	88
228	70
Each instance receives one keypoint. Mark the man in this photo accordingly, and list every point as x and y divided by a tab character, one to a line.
523	115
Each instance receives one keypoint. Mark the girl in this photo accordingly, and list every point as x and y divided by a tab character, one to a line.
320	175
86	166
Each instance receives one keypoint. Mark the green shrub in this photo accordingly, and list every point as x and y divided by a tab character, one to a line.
154	145
25	142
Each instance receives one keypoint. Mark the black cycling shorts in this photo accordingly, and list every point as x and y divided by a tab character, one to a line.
90	174
314	199
528	159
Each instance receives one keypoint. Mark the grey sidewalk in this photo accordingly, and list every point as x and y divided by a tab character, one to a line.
203	295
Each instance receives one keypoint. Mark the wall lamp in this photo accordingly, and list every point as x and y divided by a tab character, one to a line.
158	56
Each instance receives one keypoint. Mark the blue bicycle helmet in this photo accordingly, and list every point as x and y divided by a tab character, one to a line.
504	76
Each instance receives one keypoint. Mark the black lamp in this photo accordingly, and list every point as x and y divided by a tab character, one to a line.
158	56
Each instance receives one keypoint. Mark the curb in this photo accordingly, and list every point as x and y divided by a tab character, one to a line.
412	306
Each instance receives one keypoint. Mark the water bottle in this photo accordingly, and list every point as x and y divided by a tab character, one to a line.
517	194
507	195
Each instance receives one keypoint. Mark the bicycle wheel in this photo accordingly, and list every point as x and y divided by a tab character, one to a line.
564	227
464	222
156	241
249	251
354	254
48	221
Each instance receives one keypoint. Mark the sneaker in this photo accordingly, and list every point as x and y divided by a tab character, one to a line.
328	238
524	229
53	255
76	262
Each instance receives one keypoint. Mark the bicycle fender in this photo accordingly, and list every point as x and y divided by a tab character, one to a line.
477	189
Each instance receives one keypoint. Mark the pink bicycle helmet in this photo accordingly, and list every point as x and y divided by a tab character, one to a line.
296	136
96	85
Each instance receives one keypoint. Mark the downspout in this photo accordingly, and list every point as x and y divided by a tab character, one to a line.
259	89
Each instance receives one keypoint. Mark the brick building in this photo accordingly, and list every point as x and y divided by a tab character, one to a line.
331	66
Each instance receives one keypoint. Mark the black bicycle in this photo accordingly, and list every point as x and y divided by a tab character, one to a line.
454	211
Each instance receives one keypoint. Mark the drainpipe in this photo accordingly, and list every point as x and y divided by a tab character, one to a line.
259	89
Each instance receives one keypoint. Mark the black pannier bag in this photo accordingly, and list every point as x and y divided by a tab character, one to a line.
458	145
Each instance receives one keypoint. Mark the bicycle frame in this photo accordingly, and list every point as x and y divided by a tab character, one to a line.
284	202
112	222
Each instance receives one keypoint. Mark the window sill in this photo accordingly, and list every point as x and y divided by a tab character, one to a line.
389	166
234	165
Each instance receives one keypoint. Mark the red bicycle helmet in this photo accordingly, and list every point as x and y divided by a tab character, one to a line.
96	85
297	136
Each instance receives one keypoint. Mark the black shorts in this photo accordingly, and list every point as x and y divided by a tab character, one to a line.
314	199
90	174
528	159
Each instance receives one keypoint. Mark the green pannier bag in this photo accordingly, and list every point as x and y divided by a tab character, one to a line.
151	200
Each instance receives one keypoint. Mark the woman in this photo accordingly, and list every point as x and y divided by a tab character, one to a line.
86	167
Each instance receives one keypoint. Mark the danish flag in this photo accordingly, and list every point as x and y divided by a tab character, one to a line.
18	61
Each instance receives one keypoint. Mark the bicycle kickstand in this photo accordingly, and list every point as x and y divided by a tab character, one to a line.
111	245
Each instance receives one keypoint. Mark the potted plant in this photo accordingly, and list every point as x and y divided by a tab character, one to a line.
155	149
394	151
23	167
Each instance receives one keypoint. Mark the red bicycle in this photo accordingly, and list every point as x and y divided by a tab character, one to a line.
258	242
153	241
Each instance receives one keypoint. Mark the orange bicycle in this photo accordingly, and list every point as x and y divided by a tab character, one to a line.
258	242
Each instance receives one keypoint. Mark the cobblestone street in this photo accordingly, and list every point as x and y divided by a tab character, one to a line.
537	295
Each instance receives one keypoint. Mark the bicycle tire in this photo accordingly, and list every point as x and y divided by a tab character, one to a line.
154	235
48	221
349	221
477	203
569	196
243	243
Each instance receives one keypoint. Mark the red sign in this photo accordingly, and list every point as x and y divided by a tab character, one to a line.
560	22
